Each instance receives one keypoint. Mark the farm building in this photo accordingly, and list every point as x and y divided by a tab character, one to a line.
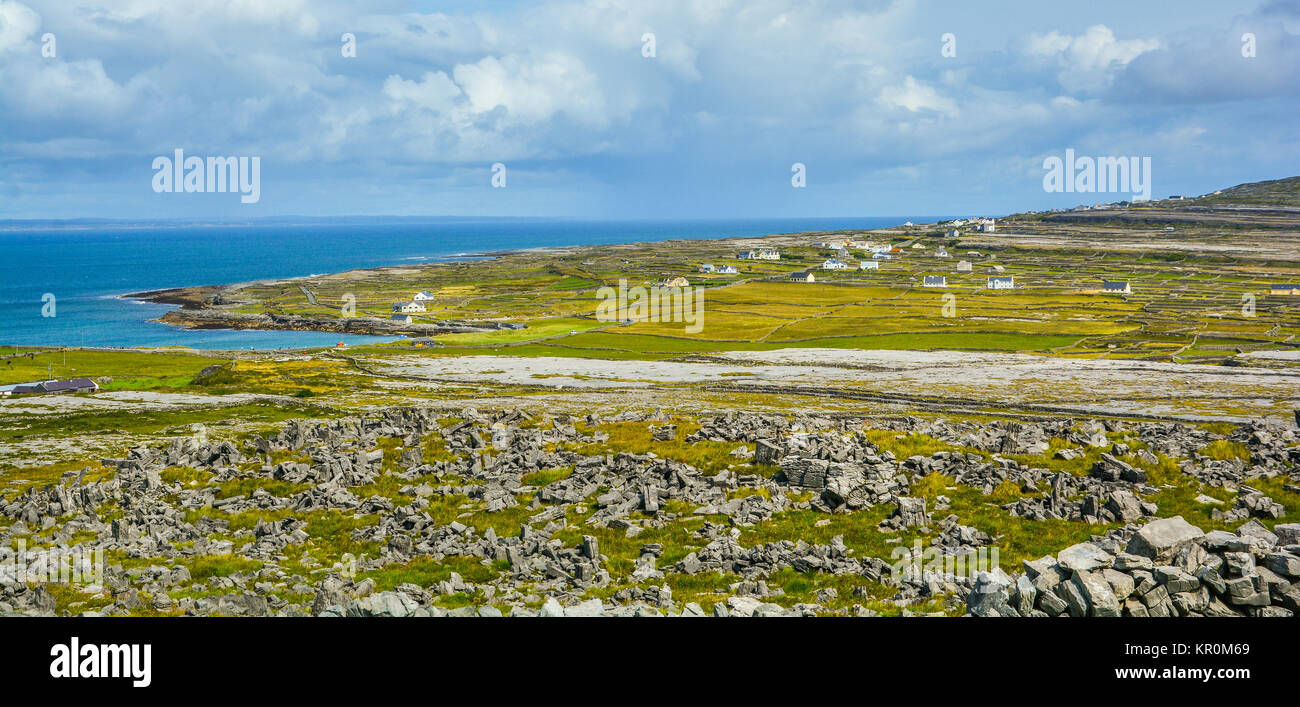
869	265
69	385
963	266
422	296
954	233
935	281
1116	287
727	270
988	226
406	307
881	256
673	282
833	264
1284	290
1001	283
802	276
401	318
941	253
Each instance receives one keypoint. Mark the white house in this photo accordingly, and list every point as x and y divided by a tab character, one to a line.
401	318
988	226
935	281
833	264
1001	283
882	256
407	307
761	254
802	276
869	265
954	233
422	296
1116	287
727	270
941	253
963	266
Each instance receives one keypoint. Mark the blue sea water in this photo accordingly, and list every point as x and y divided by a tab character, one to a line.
86	266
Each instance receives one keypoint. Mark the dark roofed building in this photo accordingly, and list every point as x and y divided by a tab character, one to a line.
71	385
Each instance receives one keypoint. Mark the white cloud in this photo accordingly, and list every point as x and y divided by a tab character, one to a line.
17	23
1088	61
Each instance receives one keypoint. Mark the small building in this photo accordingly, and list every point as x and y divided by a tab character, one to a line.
407	307
673	282
935	281
882	256
705	267
422	296
1001	283
869	265
963	266
400	318
1284	290
833	264
1116	287
802	276
70	385
761	254
998	268
918	246
942	253
954	233
989	226
727	270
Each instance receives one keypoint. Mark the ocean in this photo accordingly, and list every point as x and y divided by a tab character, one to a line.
85	266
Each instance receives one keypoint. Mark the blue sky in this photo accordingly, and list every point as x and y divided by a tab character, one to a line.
588	127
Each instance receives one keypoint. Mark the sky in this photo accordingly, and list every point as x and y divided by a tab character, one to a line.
892	108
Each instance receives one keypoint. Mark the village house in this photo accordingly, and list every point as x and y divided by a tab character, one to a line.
963	266
941	253
869	265
802	276
833	264
727	270
407	307
1001	283
989	226
401	318
1284	290
761	254
954	233
69	385
1116	287
422	296
705	267
935	281
882	256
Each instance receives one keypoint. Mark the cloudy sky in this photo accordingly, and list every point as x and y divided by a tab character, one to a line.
588	126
